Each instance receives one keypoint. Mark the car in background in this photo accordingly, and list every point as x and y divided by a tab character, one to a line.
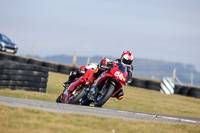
7	45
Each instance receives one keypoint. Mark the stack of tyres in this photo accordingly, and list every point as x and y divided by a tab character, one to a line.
152	85
4	56
66	69
138	83
5	74
194	92
20	76
34	61
52	66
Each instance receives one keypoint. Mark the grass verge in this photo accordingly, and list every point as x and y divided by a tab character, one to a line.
20	120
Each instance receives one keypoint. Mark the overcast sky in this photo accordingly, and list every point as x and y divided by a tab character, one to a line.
153	29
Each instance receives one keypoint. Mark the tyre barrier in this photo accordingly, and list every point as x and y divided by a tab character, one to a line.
155	85
152	85
66	69
20	59
194	92
20	76
184	90
54	67
138	83
35	61
177	89
4	56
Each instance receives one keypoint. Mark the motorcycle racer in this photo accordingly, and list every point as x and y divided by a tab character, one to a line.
126	59
103	66
80	72
73	75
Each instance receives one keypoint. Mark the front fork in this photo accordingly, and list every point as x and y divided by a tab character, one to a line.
92	94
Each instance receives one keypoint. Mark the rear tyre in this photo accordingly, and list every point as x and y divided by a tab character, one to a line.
103	97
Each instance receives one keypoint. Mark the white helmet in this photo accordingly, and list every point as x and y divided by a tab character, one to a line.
127	58
104	63
92	66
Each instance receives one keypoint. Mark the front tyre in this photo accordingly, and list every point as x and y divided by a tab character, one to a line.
104	95
85	101
76	95
58	99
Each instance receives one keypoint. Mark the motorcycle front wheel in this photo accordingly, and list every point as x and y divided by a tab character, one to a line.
85	101
76	95
105	94
58	99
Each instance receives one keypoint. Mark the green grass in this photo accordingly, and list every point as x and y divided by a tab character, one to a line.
22	120
136	99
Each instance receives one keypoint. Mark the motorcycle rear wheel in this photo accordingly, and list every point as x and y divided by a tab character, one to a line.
103	98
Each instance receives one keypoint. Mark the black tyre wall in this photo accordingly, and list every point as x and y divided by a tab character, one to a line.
138	83
28	77
153	85
52	66
4	56
66	69
194	92
35	62
20	59
177	89
184	90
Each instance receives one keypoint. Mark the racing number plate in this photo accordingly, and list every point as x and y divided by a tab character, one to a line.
119	75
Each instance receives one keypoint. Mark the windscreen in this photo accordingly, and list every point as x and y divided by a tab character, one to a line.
122	67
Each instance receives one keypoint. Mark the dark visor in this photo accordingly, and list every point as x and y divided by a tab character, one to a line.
127	62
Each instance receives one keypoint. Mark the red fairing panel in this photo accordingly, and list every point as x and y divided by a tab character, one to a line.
75	84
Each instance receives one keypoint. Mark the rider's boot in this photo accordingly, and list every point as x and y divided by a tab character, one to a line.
120	95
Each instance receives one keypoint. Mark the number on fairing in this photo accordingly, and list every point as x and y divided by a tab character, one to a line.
119	75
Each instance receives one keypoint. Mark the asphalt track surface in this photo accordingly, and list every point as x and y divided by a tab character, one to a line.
95	111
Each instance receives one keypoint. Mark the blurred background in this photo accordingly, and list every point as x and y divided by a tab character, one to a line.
162	35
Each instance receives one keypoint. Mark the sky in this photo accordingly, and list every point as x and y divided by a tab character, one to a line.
154	29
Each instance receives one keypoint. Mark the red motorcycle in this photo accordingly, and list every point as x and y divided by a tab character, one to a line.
107	85
76	89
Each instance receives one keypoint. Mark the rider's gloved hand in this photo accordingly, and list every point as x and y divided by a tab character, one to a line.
126	84
108	69
110	64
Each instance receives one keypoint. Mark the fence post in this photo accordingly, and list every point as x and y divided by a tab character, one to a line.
74	59
173	75
88	60
32	52
191	79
